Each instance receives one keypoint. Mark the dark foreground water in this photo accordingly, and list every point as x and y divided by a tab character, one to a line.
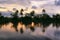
30	32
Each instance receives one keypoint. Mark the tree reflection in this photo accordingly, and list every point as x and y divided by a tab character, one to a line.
56	20
44	19
21	30
32	29
45	25
57	25
43	30
14	20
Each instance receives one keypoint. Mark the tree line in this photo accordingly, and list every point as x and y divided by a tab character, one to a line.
43	18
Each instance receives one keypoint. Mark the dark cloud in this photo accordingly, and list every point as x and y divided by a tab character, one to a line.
6	1
34	7
57	2
14	9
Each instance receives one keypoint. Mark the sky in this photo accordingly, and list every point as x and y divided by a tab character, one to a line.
51	6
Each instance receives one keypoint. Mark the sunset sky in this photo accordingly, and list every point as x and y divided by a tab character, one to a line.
51	6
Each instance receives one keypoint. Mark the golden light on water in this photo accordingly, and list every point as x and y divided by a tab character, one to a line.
8	27
37	30
20	25
32	24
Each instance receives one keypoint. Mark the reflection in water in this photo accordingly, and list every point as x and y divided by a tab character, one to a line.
45	25
21	30
32	29
57	25
36	30
20	26
30	26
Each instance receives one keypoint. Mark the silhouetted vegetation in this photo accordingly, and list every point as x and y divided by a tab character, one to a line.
43	18
32	13
21	12
32	29
21	30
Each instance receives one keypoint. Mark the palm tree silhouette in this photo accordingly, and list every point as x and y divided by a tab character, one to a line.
43	11
21	12
32	13
14	20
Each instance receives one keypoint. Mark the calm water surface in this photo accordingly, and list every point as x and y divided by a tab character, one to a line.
29	32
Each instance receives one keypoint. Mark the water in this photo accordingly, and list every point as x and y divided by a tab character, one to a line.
47	31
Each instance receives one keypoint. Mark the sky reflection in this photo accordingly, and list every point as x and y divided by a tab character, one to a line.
9	32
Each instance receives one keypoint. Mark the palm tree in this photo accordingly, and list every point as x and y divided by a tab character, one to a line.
15	14
32	13
14	20
21	12
43	11
45	17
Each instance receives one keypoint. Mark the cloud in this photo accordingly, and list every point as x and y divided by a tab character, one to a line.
20	2
23	2
57	2
33	4
14	9
2	7
34	7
